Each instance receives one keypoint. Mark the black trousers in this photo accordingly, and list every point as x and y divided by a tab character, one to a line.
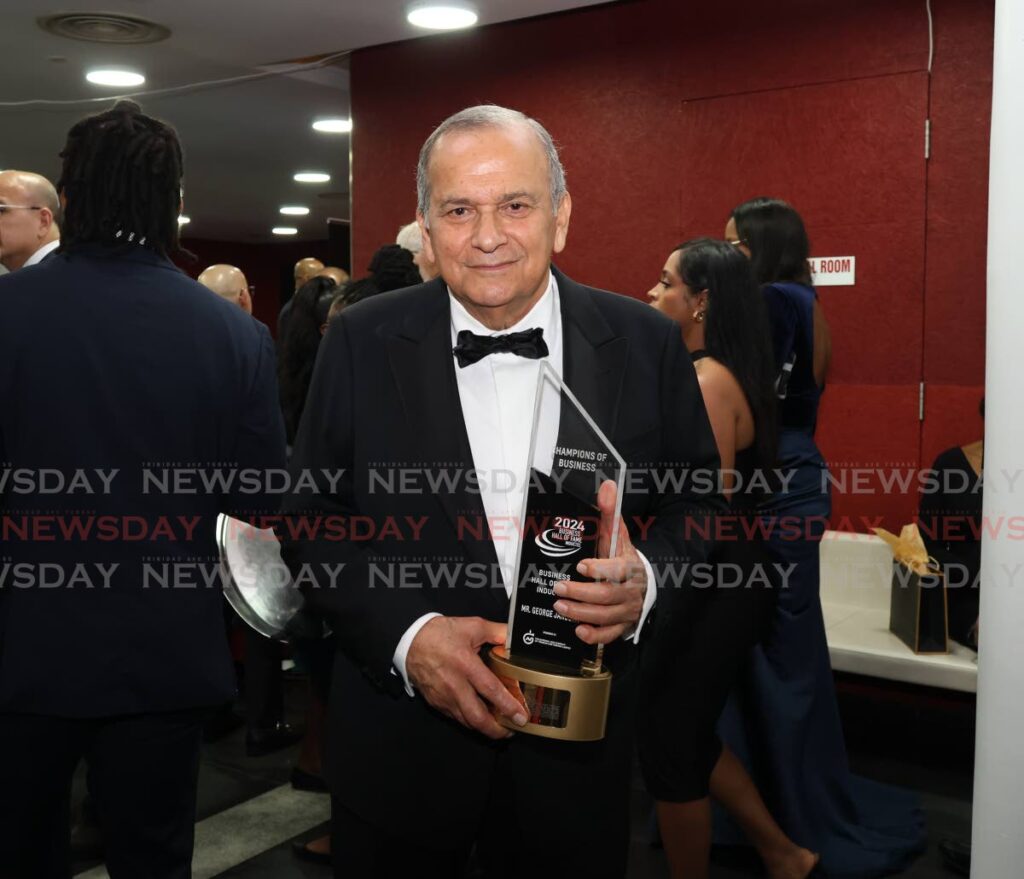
263	688
554	809
143	771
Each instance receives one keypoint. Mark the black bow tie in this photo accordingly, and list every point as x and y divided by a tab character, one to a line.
471	347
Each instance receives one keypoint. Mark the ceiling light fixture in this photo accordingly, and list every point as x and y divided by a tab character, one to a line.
312	177
333	126
441	17
294	211
104	27
115	78
285	230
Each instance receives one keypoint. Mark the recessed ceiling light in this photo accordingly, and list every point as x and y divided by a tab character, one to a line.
115	78
333	126
441	17
285	230
294	211
183	219
312	177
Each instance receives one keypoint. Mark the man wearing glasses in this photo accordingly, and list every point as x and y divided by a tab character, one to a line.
29	208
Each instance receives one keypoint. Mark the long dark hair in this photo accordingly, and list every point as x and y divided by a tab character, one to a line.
776	238
736	329
299	346
122	180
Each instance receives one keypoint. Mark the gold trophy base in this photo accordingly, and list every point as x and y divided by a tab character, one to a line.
571	707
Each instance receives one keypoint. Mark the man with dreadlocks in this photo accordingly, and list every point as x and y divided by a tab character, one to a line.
116	367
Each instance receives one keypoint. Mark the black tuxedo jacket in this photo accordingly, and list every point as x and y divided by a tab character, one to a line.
113	359
384	399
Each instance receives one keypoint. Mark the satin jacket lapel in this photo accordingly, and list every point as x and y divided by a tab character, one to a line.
421	360
594	358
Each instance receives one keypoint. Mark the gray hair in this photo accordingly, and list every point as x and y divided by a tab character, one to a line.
488	116
409	237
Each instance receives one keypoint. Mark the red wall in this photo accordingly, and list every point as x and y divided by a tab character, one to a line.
669	114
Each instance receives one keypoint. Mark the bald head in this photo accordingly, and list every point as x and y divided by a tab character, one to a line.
339	276
29	215
229	283
307	268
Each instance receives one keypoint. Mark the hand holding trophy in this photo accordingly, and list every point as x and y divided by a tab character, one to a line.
609	608
559	618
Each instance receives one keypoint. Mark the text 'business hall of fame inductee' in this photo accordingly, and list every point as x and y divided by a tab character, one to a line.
441	380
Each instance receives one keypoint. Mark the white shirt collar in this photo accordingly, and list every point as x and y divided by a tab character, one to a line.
38	256
542	315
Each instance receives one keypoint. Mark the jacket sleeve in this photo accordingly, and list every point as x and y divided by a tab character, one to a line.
368	617
259	443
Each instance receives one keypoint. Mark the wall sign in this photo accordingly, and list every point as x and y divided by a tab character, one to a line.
833	271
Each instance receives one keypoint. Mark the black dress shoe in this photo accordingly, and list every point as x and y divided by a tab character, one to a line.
307	781
302	851
265	740
956	855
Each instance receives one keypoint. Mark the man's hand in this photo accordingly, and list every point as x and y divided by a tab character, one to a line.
444	664
611	608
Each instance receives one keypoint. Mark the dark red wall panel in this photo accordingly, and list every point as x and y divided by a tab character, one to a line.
958	193
850	156
608	81
869	436
951	418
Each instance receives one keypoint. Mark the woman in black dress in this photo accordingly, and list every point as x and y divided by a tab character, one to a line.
702	638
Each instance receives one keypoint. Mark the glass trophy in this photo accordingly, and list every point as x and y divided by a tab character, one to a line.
561	681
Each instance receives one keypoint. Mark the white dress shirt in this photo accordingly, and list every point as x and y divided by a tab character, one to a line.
497	394
37	257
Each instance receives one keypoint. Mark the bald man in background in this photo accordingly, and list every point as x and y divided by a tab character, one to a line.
339	276
229	283
29	214
305	269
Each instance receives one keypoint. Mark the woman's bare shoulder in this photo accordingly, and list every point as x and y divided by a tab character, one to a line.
716	379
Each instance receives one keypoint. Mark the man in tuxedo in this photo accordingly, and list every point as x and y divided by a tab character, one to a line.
118	374
29	211
440	379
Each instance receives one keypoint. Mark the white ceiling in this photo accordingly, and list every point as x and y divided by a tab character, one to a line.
242	142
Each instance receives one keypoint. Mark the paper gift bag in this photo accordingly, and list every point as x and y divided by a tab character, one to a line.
918	614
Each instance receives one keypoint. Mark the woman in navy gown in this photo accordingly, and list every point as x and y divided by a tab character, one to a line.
785	724
702	640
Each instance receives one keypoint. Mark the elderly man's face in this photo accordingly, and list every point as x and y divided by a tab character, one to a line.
492	229
21	231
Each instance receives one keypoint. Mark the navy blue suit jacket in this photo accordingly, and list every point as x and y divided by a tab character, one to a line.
114	360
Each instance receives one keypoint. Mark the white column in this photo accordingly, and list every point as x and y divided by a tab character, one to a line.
998	835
